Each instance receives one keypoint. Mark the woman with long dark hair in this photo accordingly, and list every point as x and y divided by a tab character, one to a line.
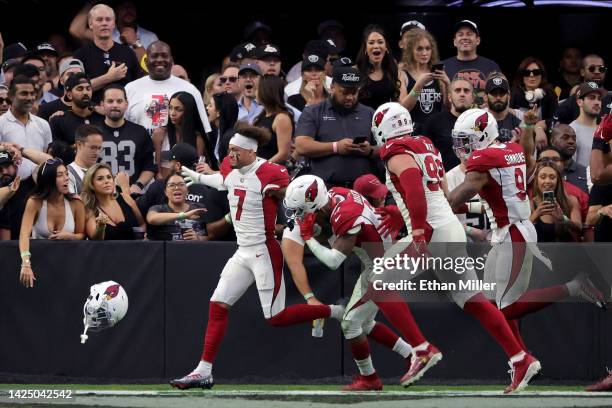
531	88
51	212
110	215
275	117
384	82
554	214
222	115
184	125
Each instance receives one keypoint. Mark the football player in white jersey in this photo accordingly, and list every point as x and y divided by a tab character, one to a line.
416	178
254	188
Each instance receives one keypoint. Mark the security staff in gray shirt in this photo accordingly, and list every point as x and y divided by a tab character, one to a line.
335	134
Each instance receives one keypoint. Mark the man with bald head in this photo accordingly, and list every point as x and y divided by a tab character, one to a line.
149	96
563	137
106	61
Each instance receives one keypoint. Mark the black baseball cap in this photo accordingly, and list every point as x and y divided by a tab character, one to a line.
469	24
16	50
242	51
5	157
409	25
346	76
267	50
587	88
183	153
251	66
76	79
44	48
497	82
314	60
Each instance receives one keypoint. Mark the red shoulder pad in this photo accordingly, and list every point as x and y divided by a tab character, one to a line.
344	216
272	175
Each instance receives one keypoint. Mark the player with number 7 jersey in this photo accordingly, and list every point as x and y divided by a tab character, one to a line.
254	188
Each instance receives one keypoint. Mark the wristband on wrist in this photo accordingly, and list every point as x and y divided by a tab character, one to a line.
468	229
413	93
566	220
139	184
526	126
228	218
335	147
25	253
308	295
181	216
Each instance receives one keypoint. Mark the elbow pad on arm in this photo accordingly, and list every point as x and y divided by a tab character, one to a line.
412	181
332	258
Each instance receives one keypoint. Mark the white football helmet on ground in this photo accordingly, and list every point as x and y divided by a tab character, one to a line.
105	306
474	129
391	120
305	194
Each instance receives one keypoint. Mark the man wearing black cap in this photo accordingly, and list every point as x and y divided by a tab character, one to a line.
67	68
497	98
248	81
78	91
243	53
269	59
468	64
589	97
335	134
49	54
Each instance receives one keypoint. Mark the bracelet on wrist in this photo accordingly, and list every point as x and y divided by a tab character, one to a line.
25	253
413	93
309	295
335	147
526	126
181	216
228	218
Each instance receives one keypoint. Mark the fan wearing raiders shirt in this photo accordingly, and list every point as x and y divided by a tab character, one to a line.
78	90
127	146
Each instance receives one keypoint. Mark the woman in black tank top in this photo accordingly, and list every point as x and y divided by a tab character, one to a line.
427	90
110	216
276	118
383	82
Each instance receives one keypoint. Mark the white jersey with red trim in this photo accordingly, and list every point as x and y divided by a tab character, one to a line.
429	161
352	213
253	211
505	192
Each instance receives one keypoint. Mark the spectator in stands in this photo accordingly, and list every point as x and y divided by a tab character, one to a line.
406	27
4	100
427	89
269	59
8	69
468	64
439	126
41	78
14	206
111	215
563	137
497	99
68	67
333	30
88	140
79	92
371	188
128	31
51	212
569	72
531	88
32	72
184	126
335	135
314	47
223	115
243	53
600	212
180	72
555	215
49	55
229	79
593	70
313	89
105	60
149	96
176	218
9	183
275	117
589	98
382	80
212	86
248	80
126	146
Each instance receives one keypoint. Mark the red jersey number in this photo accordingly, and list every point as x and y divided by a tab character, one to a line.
241	195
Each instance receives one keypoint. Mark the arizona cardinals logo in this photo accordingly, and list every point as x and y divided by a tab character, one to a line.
481	122
312	191
111	292
379	116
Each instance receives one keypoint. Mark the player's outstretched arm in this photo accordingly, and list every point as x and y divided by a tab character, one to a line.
473	183
210	180
333	258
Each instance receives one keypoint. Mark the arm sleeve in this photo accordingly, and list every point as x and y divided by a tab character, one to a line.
332	258
411	180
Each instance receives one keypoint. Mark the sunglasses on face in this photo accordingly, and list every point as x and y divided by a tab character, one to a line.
602	69
530	72
232	79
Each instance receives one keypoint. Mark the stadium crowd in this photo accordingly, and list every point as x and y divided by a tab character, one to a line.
92	141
